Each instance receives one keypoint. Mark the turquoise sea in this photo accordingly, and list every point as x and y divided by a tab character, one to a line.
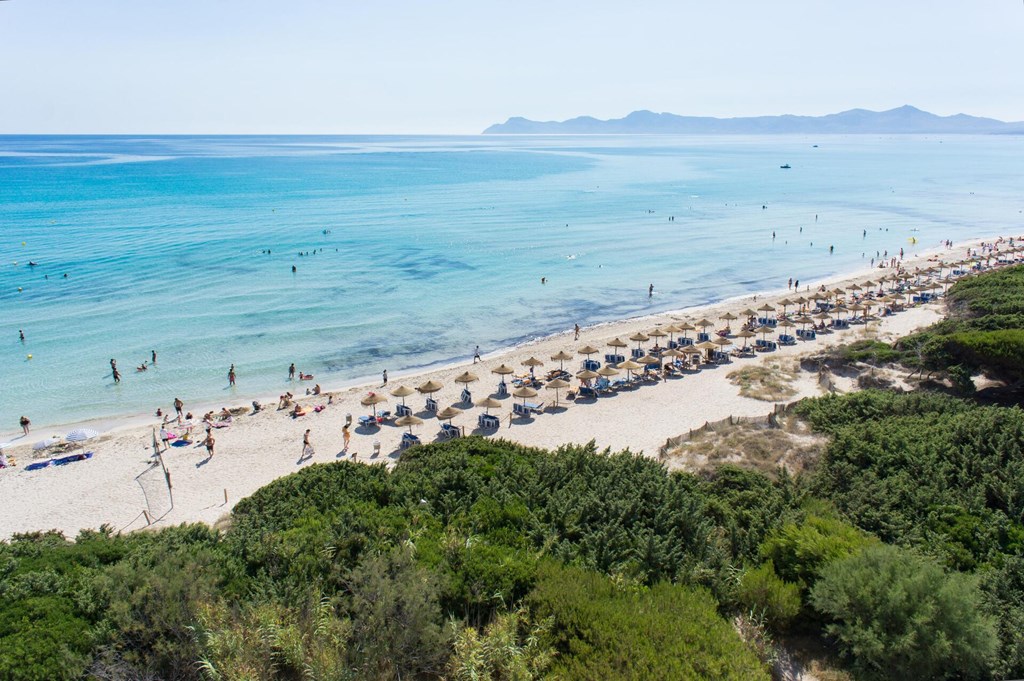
410	251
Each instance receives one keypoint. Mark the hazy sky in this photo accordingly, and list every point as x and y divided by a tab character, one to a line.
334	66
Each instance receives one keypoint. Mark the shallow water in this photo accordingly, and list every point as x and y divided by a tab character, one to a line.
433	245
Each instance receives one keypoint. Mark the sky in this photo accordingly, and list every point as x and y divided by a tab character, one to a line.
457	66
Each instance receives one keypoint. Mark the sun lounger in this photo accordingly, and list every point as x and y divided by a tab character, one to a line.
719	357
431	404
637	353
786	339
840	324
368	420
535	407
684	341
403	410
520	409
408	440
703	337
467	397
586	392
488	421
614	359
591	365
502	389
450	432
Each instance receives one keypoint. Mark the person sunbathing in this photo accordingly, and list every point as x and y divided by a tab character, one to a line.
225	415
142	367
298	411
305	377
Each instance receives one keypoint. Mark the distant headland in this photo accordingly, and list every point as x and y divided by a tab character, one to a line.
902	120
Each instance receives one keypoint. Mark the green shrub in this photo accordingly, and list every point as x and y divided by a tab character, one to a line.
897	615
798	551
604	630
765	593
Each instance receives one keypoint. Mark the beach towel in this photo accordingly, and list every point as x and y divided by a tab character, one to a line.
64	460
220	424
37	465
180	443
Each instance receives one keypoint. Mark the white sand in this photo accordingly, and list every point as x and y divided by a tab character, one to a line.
119	482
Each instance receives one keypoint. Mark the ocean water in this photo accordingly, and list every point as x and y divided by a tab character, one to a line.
412	250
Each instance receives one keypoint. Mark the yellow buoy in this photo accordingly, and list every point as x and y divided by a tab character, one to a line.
29	357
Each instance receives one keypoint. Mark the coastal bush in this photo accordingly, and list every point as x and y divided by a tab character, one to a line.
983	332
898	464
869	351
897	615
764	593
513	647
798	551
607	629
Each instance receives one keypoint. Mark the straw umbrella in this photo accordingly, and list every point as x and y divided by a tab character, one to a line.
706	346
561	356
587	375
608	371
764	331
690	350
502	370
684	327
429	387
525	393
532	362
465	378
488	403
671	330
556	385
729	317
403	392
410	421
786	302
448	413
371	401
617	343
704	324
630	366
745	334
639	338
766	308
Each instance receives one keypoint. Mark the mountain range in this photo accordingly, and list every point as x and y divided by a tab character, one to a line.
902	120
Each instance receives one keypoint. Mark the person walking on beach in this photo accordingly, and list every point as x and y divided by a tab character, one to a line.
385	377
231	375
577	330
25	423
178	406
209	442
347	434
291	372
307	448
165	438
476	355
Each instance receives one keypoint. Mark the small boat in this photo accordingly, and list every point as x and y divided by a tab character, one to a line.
32	263
786	167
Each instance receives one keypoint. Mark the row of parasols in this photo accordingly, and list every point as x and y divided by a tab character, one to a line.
900	290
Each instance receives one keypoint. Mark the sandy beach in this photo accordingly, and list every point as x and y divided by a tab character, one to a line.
120	486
